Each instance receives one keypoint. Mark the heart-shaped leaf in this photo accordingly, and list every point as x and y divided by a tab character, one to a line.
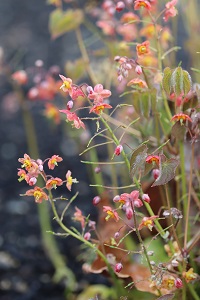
166	81
137	160
167	170
178	131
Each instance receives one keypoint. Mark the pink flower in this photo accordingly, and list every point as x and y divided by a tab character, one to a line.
178	283
138	70
181	117
171	11
53	183
87	236
78	216
96	200
155	159
70	180
142	3
146	198
20	77
118	150
52	163
156	173
73	90
98	94
72	117
120	6
129	212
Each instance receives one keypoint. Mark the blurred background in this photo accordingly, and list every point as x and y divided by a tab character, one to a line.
25	271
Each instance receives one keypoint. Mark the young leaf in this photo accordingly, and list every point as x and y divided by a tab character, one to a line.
177	81
61	22
187	82
166	81
167	170
178	131
137	160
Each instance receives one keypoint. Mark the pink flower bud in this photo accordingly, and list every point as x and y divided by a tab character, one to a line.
138	70
97	170
178	283
129	212
146	198
116	198
120	78
89	89
70	104
137	203
174	263
116	235
156	173
87	236
120	6
118	267
118	150
32	181
96	200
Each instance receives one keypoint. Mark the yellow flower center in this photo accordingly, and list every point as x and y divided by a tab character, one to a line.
37	195
143	49
67	84
70	180
170	283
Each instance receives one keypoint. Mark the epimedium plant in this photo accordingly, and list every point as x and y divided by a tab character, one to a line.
147	118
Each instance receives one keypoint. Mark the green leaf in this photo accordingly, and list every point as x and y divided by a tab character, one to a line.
136	102
146	105
187	82
167	169
61	21
177	81
178	131
137	160
166	81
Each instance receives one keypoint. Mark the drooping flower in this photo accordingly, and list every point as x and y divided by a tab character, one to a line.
98	108
70	180
72	117
155	159
78	216
110	213
171	11
53	161
30	165
182	118
147	222
143	48
98	93
53	183
38	194
137	82
142	3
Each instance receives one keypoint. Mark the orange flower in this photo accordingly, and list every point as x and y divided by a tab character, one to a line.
143	48
142	3
78	216
128	17
153	159
138	83
190	275
38	194
53	183
99	108
110	213
181	117
149	30
147	222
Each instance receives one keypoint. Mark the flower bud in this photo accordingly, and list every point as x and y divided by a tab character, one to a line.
116	198
32	181
150	253
118	267
129	212
178	283
174	263
146	198
138	70
120	6
118	150
96	200
156	173
87	236
70	104
97	170
116	235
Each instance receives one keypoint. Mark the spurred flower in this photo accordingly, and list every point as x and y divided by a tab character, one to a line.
137	82
98	108
70	180
142	3
143	48
72	117
147	222
38	194
98	93
53	161
110	213
155	159
182	118
30	165
73	90
53	183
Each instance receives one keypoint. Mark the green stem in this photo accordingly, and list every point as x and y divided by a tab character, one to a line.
183	176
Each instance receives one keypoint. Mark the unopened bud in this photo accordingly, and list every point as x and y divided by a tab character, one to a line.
178	283
118	150
70	104
116	235
129	212
116	198
156	173
96	200
87	236
146	198
97	170
138	70
120	6
118	267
